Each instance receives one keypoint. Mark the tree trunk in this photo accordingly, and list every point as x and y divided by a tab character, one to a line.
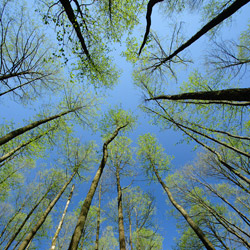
184	213
13	151
219	157
11	219
53	245
150	6
20	86
33	125
239	94
98	217
120	212
130	230
87	202
34	230
25	220
72	18
138	246
214	22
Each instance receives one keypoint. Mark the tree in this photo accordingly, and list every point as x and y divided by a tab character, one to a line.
139	209
119	119
120	159
11	135
83	26
31	234
148	239
108	241
152	157
215	21
25	68
215	200
98	216
53	245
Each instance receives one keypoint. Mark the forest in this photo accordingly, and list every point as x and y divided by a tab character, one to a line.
124	125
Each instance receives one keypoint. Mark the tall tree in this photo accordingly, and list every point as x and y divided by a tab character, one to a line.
153	157
53	245
120	159
118	120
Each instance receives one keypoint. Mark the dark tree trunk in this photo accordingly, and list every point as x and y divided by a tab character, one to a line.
98	217
72	18
33	125
13	151
238	95
87	202
25	220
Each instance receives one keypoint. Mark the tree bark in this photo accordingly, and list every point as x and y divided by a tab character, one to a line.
53	245
150	6
98	217
87	202
33	125
138	246
214	22
72	18
184	213
120	212
130	230
239	94
34	230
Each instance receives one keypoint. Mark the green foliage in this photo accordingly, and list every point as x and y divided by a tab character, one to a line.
243	48
104	21
150	154
148	239
108	240
114	118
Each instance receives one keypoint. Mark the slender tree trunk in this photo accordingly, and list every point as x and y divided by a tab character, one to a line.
120	212
87	202
214	22
53	245
11	219
243	217
130	230
13	151
7	76
150	6
229	226
242	94
21	85
138	246
184	213
33	125
98	217
219	157
34	230
8	176
25	220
